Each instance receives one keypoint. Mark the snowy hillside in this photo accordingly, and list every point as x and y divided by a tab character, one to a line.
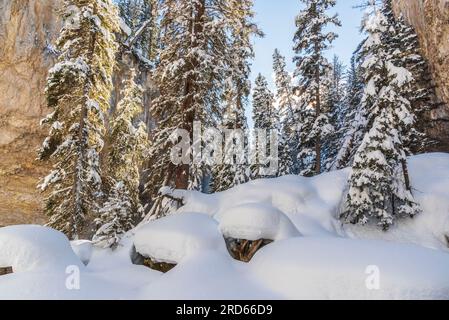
313	255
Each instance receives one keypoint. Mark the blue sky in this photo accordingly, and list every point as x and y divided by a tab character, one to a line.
277	20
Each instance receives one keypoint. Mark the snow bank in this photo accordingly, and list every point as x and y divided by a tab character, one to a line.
330	261
325	268
255	221
207	275
430	181
173	238
27	248
310	203
58	286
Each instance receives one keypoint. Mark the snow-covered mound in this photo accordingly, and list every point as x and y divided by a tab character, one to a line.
255	221
207	275
313	268
33	248
173	238
312	204
83	249
330	260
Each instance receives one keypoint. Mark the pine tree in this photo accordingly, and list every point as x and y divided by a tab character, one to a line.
285	102
235	98
405	45
379	186
197	50
128	145
78	90
142	13
311	40
353	118
265	117
115	218
226	176
334	106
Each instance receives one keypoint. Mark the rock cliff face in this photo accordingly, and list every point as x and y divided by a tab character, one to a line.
430	18
27	30
27	27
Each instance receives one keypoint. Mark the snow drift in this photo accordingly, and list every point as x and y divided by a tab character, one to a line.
314	255
173	238
26	248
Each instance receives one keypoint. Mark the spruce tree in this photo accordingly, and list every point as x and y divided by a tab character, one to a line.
405	46
78	91
197	50
353	118
128	145
236	93
335	107
142	13
116	216
265	117
225	175
311	41
379	186
286	104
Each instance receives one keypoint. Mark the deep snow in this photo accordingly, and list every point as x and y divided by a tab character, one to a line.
314	255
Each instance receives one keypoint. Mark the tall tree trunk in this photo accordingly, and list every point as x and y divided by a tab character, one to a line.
406	175
197	28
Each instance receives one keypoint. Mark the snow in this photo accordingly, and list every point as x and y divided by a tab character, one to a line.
314	256
304	268
83	249
310	204
174	238
124	27
255	221
207	275
34	248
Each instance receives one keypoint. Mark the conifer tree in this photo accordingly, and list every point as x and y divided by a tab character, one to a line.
353	119
265	116
311	40
379	186
116	216
405	46
286	104
334	106
197	50
78	91
225	175
142	13
128	145
236	94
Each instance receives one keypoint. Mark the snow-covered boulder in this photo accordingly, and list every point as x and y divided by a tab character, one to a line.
249	227
33	248
172	239
255	221
339	268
